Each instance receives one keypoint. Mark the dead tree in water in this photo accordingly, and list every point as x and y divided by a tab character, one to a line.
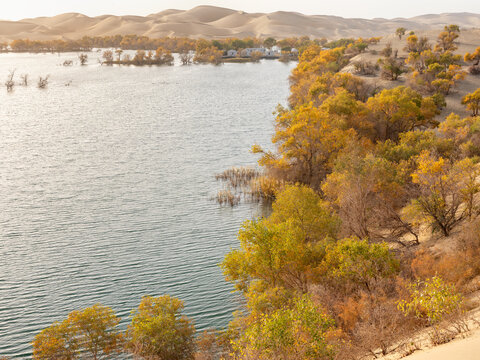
83	59
119	54
10	83
24	78
43	82
108	56
186	58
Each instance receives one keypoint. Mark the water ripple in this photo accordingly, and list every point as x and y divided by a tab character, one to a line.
104	186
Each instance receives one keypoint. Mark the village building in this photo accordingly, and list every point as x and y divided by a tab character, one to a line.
249	51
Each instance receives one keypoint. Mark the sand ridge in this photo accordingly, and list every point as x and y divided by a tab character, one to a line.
217	22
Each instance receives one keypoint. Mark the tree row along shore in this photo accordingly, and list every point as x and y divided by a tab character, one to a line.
213	51
372	246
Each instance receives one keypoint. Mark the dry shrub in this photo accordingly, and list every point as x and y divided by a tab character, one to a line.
383	327
408	349
453	268
460	267
350	312
423	265
372	322
207	346
365	68
474	70
440	336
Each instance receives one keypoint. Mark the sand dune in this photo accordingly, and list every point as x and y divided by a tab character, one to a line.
467	348
217	22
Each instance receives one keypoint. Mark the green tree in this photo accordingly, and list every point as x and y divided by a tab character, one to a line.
301	207
282	250
356	262
296	332
431	300
159	330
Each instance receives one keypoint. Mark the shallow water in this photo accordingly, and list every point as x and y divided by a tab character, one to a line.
105	186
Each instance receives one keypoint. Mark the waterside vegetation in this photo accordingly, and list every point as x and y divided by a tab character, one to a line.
374	231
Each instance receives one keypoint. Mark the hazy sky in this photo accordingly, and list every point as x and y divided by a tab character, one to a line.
18	9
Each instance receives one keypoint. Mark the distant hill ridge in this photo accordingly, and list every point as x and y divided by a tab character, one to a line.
216	22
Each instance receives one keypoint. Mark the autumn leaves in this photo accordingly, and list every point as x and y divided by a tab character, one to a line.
157	331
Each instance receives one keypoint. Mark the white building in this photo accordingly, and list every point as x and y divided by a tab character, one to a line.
231	53
249	51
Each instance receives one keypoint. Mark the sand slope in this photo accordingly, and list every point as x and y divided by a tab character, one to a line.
217	22
461	349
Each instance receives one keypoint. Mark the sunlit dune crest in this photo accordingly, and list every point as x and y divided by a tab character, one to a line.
217	22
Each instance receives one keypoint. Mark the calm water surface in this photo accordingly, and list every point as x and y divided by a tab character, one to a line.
105	186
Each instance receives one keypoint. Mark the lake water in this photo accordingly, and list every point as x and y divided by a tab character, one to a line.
105	186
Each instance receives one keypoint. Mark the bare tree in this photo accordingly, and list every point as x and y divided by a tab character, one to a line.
108	56
43	82
119	52
24	78
186	57
10	83
83	59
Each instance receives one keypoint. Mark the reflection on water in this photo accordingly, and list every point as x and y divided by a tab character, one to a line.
105	185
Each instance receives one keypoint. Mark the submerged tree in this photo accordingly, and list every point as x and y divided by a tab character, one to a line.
43	82
83	59
108	56
10	83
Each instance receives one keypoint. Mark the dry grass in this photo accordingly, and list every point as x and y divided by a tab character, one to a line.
238	177
247	183
227	197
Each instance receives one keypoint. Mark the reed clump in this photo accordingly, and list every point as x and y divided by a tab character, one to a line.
227	197
238	177
247	183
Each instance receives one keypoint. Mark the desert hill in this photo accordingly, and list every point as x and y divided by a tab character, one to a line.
216	22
